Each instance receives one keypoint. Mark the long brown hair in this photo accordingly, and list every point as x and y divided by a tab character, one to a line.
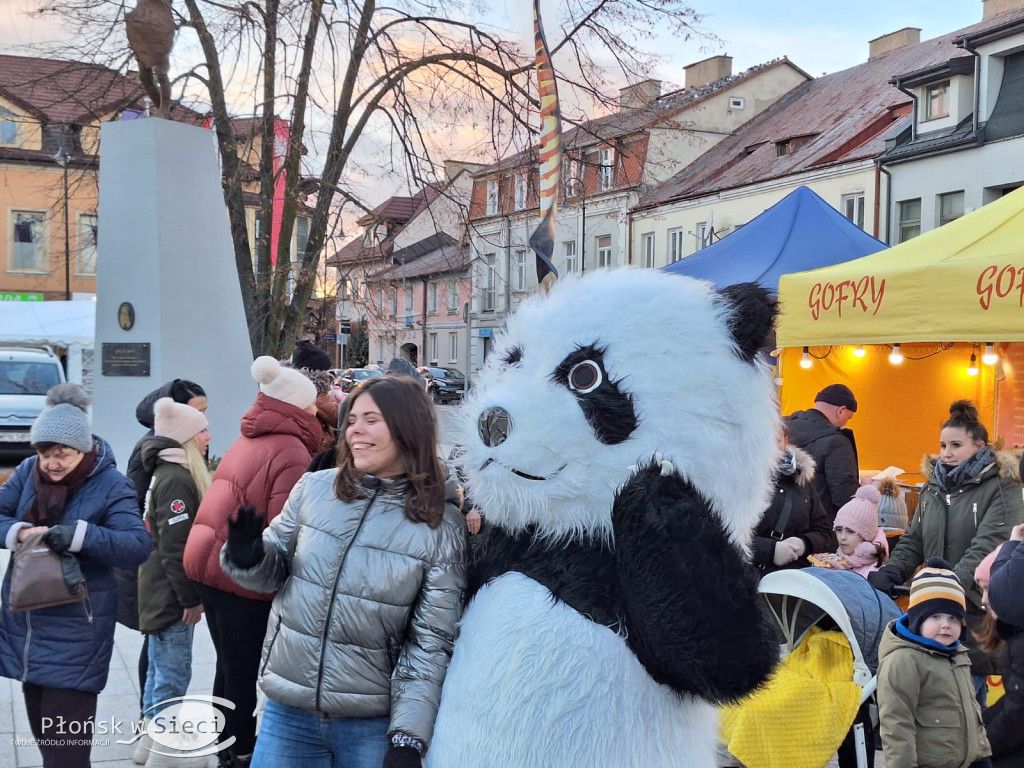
988	638
409	415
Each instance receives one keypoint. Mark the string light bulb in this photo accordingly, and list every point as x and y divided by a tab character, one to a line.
989	357
895	357
859	351
972	368
805	359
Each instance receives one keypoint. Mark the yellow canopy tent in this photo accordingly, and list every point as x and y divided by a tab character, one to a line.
963	282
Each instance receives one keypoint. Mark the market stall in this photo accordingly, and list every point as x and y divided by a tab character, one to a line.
935	301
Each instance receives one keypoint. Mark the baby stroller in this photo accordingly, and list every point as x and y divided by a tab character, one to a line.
802	598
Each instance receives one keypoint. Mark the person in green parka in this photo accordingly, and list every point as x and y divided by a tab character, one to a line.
969	505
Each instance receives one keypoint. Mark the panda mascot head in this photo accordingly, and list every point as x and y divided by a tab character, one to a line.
620	442
607	370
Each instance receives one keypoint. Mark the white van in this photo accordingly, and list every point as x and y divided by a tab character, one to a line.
26	374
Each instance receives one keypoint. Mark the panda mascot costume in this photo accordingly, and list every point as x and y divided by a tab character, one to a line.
620	440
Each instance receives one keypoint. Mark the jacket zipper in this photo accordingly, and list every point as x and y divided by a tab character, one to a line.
28	642
334	592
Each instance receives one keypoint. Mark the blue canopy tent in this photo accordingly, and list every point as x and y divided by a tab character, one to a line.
798	233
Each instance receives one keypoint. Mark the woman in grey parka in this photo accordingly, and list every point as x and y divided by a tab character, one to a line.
369	564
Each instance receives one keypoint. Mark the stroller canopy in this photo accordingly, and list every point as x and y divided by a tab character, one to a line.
803	597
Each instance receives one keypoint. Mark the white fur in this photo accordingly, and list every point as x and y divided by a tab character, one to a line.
544	686
709	413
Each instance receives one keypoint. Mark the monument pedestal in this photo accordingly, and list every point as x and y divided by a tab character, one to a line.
168	301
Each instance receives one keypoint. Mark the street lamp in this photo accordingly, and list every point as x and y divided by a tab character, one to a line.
63	159
573	180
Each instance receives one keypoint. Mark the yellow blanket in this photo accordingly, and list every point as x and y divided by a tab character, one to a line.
800	716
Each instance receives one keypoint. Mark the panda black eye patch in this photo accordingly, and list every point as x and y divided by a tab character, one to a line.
607	409
512	356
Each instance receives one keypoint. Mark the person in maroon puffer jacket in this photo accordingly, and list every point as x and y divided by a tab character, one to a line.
279	434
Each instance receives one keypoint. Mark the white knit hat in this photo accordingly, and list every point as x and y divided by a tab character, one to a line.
285	384
179	422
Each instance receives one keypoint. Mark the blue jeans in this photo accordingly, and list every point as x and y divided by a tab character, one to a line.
170	667
290	736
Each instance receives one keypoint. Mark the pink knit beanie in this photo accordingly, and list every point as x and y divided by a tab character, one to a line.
177	421
860	514
984	570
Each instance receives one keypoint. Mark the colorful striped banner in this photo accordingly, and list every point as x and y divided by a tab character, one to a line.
543	239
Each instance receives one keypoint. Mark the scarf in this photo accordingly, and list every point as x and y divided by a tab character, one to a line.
787	462
51	497
867	552
950	478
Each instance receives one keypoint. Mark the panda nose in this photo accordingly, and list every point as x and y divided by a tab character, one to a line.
494	425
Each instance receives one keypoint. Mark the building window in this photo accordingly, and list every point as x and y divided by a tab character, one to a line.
492	197
355	289
28	239
606	170
783	148
572	181
453	347
432	298
394	302
453	297
647	248
432	342
675	245
936	101
852	207
702	236
380	300
571	263
87	241
604	251
519	275
490	282
8	128
951	207
520	190
408	300
737	102
301	237
910	219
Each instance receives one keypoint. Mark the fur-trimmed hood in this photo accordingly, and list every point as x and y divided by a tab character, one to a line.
1007	461
805	467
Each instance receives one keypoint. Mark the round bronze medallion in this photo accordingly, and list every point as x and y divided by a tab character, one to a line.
126	316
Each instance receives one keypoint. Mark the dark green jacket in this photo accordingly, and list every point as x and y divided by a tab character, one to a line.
171	505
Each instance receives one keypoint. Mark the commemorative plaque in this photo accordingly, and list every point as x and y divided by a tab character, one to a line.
125	359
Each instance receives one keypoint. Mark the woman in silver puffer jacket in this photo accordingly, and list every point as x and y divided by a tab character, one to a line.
369	564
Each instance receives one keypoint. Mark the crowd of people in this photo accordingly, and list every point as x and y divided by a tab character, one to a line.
328	553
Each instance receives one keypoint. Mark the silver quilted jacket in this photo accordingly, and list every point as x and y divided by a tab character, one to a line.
367	604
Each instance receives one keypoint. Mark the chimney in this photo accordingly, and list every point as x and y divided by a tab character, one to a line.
990	8
640	95
707	71
893	41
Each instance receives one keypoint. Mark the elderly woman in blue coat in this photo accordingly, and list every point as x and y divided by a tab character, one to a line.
71	491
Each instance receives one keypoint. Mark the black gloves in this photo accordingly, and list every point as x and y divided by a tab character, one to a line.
72	571
245	538
886	578
402	757
59	537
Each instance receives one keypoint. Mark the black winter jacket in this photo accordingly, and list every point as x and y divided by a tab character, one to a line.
807	518
1003	720
834	451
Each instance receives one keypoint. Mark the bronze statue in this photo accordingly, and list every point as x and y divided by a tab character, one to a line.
151	29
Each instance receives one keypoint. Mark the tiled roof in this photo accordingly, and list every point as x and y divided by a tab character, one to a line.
397	211
448	258
57	91
624	123
847	115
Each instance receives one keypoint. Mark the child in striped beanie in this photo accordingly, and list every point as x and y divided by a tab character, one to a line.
927	709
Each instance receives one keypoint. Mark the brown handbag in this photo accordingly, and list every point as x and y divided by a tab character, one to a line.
40	577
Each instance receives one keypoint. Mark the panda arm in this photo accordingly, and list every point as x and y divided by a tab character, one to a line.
692	611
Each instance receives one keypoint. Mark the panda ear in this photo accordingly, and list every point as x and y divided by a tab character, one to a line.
752	321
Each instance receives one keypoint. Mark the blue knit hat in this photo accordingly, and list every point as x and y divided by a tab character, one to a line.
65	420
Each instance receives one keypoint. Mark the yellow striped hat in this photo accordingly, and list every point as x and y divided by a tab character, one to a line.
935	589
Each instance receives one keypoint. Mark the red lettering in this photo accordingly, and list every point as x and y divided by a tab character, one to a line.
877	299
999	282
984	288
1001	292
852	293
814	300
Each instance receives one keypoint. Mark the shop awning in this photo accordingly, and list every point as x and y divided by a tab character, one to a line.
960	282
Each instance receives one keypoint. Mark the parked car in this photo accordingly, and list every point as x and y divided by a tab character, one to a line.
352	377
26	373
446	385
